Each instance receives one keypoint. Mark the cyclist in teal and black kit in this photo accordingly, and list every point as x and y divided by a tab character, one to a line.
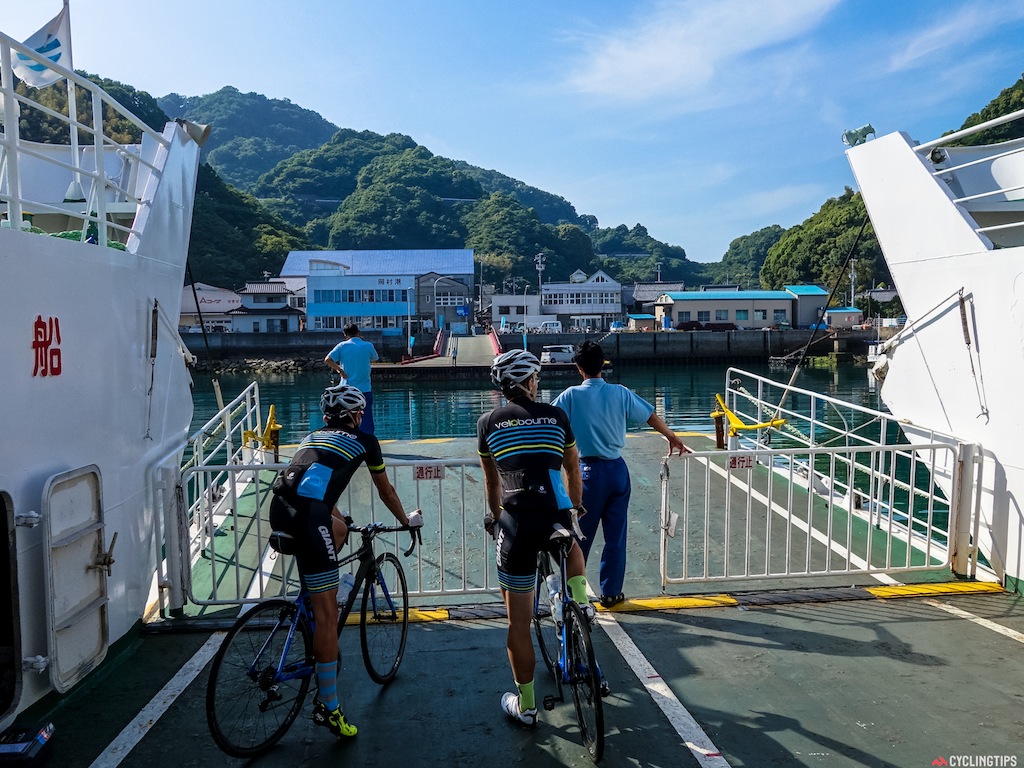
305	495
524	446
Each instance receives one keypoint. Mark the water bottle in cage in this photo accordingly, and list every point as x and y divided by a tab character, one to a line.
347	582
554	585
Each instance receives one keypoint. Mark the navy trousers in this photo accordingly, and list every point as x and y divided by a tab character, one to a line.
606	489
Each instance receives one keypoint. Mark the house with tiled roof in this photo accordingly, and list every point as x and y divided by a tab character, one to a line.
266	308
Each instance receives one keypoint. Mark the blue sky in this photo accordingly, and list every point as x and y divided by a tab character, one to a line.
703	121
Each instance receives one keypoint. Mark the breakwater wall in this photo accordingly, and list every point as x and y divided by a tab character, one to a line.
306	350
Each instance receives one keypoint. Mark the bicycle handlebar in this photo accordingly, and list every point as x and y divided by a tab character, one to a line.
371	530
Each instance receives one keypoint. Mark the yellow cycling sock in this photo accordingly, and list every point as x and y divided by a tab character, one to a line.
578	589
527	700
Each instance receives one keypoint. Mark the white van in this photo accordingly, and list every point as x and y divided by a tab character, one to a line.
550	326
557	353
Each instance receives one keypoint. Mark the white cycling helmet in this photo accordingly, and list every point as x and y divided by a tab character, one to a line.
513	367
341	399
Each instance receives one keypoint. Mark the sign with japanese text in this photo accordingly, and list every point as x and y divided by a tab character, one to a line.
428	472
46	346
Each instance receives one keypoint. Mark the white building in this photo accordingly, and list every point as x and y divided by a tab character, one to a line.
210	303
266	309
593	303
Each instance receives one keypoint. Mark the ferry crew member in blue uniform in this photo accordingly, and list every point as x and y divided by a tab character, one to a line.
524	446
305	495
351	359
599	412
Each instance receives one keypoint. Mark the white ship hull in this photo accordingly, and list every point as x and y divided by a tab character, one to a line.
97	390
947	220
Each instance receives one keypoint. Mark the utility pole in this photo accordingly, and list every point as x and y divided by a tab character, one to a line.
853	274
539	260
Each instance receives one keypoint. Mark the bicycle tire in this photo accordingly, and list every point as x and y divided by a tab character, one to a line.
384	619
246	710
584	682
544	626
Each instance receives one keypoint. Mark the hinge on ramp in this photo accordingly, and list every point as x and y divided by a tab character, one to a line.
35	663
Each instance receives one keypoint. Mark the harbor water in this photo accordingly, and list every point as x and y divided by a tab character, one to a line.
684	395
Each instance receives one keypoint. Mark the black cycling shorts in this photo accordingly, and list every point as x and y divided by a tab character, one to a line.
309	522
521	535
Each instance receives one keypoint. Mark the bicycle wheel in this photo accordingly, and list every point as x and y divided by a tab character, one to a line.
249	705
543	625
384	619
585	682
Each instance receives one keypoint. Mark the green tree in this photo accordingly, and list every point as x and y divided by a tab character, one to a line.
1009	100
816	251
743	260
234	237
404	201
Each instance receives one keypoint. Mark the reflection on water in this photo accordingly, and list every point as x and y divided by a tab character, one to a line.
684	395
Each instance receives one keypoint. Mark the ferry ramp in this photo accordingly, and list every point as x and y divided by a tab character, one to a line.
837	670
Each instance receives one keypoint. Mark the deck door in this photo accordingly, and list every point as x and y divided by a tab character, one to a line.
76	589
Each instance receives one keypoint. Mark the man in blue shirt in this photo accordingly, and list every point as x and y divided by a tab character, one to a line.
351	360
598	413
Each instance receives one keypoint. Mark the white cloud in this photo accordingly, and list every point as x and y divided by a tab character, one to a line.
954	32
683	49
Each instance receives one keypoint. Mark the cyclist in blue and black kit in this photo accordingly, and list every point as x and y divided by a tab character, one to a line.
305	495
523	447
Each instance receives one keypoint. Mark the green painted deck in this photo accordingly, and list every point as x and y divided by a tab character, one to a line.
833	671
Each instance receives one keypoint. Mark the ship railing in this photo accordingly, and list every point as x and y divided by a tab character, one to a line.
232	562
813	496
975	173
754	513
36	180
211	480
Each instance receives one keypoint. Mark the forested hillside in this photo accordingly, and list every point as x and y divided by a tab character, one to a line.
280	177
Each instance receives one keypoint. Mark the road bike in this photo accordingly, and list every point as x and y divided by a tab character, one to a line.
263	668
566	646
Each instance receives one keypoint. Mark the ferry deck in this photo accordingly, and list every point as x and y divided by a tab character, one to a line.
835	670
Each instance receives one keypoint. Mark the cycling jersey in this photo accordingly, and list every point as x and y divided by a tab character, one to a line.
308	489
325	462
527	440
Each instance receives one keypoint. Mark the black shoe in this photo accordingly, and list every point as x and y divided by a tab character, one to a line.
608	601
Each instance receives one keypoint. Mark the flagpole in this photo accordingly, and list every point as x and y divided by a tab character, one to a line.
74	193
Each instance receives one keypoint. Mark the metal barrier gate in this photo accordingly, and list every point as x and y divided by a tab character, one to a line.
813	508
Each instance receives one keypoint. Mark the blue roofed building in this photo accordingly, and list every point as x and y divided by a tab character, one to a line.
394	291
795	306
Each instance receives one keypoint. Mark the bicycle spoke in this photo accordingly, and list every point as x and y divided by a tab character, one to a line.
384	620
249	704
585	682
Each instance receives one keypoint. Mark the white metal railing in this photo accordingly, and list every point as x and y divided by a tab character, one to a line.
212	478
774	513
977	173
840	492
231	561
34	177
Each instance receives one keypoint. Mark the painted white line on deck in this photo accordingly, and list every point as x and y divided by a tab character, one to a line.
134	732
986	623
696	740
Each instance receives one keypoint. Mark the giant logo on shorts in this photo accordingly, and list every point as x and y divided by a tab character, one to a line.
325	532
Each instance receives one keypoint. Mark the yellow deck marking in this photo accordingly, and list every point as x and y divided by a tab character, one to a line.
667	603
929	590
432	441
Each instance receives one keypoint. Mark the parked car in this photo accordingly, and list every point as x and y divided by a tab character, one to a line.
617	327
558	353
